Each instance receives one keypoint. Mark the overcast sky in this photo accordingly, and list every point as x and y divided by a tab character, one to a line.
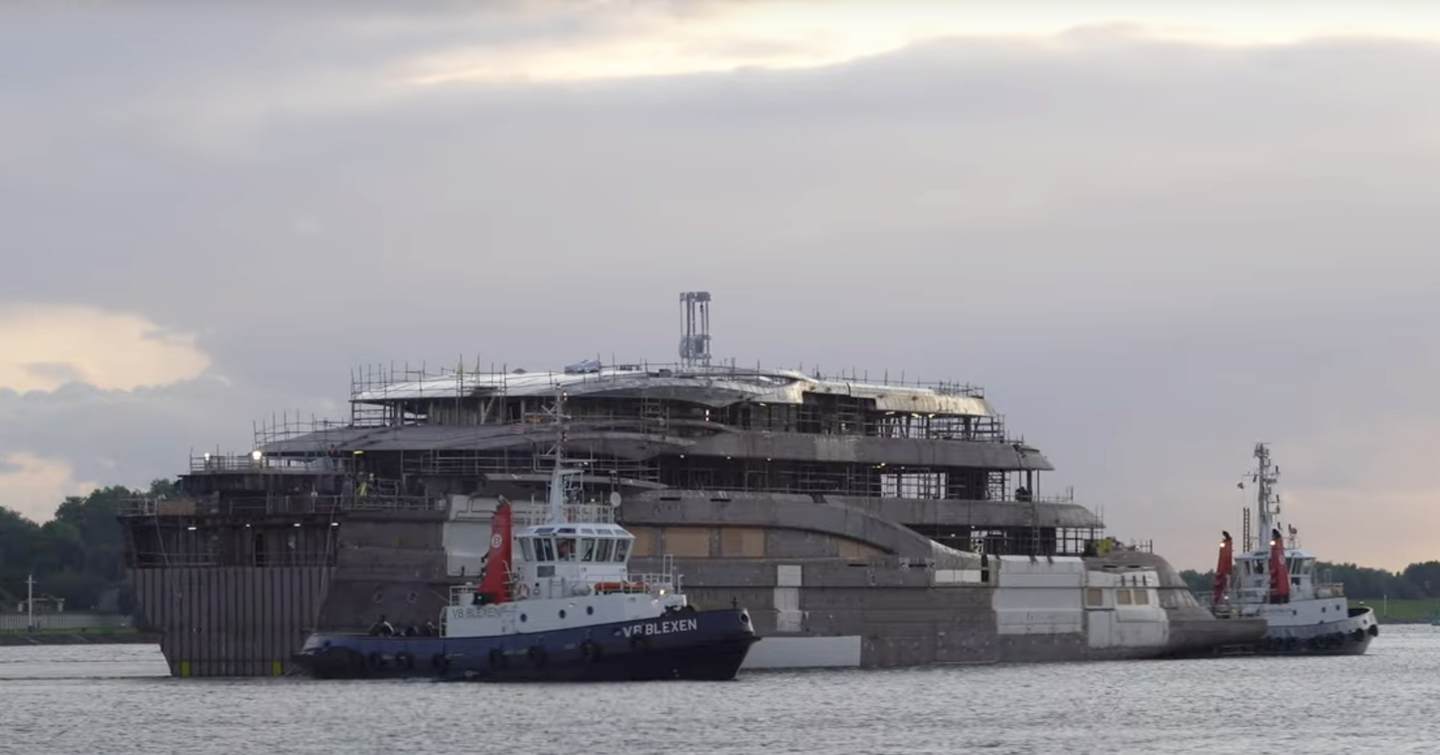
1155	235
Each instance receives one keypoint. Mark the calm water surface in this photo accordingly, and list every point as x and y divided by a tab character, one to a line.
116	699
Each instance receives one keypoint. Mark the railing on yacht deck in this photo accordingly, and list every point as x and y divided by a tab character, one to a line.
537	514
274	504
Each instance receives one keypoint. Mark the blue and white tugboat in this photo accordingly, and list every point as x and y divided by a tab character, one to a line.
567	610
1278	583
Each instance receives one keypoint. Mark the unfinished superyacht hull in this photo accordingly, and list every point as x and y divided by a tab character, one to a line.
868	523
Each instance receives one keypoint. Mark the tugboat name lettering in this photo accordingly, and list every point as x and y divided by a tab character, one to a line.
664	627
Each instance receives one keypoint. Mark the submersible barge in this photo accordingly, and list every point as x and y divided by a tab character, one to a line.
861	522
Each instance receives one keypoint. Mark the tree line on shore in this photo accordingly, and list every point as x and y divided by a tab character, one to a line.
79	555
1418	580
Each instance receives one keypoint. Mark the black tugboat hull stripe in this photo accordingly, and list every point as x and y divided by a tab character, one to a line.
699	645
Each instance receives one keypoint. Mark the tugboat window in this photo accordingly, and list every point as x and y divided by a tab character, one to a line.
527	547
562	613
1142	597
587	549
565	549
1122	597
1093	597
522	618
544	549
622	549
602	550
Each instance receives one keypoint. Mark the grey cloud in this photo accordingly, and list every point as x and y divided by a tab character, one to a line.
61	371
129	437
1153	254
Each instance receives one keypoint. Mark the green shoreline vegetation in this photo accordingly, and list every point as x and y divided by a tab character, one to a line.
1404	610
79	555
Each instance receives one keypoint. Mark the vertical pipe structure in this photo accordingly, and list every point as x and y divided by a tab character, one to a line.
684	330
705	327
695	328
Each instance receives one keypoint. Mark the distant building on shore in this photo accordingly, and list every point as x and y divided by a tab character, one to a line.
44	604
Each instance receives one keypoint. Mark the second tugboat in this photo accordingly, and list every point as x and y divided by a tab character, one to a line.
569	610
1277	583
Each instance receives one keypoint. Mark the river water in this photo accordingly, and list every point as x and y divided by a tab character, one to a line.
117	699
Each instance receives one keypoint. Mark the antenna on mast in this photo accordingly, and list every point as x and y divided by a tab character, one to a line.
1267	503
558	495
695	328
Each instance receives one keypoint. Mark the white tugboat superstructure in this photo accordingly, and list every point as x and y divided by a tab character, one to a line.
572	571
1276	580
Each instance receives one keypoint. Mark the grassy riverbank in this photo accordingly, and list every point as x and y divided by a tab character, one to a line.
1403	611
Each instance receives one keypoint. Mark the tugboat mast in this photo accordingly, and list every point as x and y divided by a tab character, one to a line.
558	497
1267	502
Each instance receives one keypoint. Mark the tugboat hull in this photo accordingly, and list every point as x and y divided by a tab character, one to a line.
1349	636
700	645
